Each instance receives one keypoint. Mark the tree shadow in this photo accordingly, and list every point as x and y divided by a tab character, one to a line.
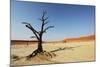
64	48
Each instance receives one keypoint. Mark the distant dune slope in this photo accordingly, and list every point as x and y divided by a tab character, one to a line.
79	39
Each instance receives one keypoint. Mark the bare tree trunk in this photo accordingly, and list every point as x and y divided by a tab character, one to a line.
40	48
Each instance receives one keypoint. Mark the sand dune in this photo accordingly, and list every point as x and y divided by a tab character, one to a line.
79	39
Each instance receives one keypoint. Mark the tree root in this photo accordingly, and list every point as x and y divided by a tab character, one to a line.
34	53
43	53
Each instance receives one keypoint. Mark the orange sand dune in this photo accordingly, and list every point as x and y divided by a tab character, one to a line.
79	39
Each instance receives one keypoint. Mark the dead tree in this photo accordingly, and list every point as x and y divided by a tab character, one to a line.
38	34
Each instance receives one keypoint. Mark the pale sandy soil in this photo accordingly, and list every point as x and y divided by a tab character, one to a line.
74	52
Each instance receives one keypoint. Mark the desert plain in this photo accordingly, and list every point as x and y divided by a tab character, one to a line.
80	49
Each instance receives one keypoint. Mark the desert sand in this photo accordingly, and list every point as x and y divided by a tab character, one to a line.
62	52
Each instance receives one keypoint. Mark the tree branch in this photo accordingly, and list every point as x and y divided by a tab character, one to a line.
28	25
44	13
46	18
46	22
33	37
43	19
47	28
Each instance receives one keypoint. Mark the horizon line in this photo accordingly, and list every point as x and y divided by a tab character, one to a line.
54	40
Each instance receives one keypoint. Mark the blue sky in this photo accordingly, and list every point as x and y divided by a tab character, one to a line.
69	20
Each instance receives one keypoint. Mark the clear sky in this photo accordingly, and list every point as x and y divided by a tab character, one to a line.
69	20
